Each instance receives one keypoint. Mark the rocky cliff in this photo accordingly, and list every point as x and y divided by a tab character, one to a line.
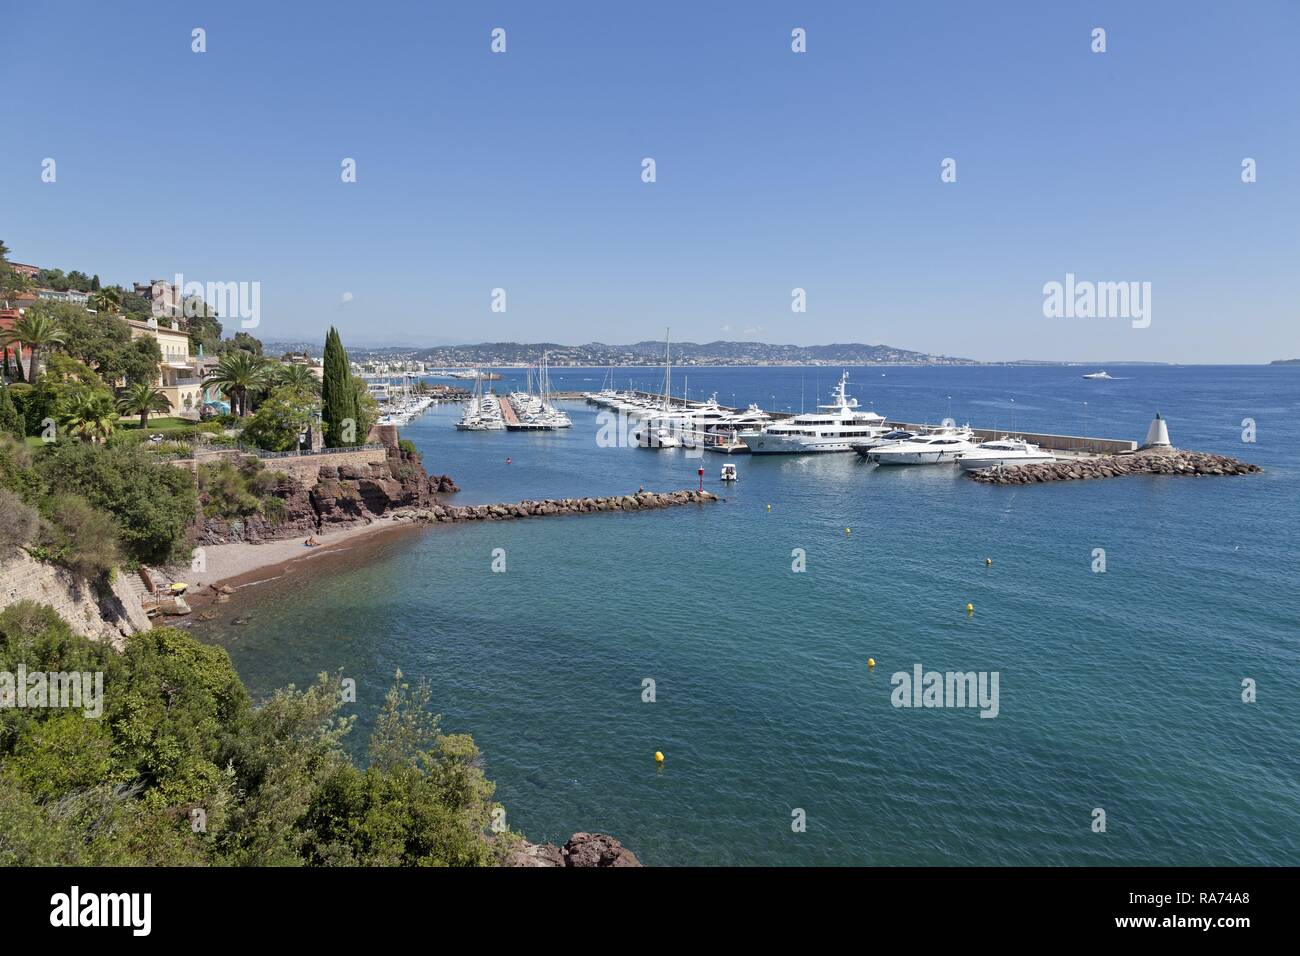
340	495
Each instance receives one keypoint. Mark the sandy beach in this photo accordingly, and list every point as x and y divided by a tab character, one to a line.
241	564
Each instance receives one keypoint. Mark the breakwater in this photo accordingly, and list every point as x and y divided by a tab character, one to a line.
1188	463
641	501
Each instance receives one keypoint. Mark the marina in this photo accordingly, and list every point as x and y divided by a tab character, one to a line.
924	532
839	426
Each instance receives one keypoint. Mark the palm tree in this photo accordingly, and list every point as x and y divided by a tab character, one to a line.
141	398
88	415
37	332
106	300
239	373
297	377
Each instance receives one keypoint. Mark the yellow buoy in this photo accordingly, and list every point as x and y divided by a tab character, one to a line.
769	507
848	530
970	608
659	757
988	562
871	663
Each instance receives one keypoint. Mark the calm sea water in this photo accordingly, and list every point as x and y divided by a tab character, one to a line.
1118	690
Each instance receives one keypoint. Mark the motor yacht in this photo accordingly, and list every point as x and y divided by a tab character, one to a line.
1006	452
835	427
938	447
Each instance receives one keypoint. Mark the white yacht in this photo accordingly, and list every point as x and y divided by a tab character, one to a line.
835	428
1004	453
535	412
938	447
864	446
1097	375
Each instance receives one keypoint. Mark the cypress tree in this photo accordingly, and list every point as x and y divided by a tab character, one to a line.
11	423
338	399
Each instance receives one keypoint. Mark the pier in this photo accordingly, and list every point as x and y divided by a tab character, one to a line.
507	410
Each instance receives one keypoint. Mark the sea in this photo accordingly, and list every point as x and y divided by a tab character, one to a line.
1144	632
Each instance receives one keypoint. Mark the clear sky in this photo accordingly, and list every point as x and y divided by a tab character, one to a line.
775	170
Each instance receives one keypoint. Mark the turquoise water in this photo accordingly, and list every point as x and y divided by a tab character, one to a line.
1119	690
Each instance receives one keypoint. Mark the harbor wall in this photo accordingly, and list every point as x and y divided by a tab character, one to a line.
1077	443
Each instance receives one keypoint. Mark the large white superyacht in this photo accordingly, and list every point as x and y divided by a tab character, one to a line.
835	427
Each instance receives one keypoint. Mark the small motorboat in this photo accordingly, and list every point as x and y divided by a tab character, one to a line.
1097	375
729	472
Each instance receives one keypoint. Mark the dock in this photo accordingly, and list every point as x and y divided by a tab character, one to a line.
507	411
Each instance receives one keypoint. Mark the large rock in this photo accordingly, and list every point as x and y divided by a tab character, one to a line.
583	849
597	849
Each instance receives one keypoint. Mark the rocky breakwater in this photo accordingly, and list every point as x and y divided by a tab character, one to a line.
341	495
582	850
641	501
1155	462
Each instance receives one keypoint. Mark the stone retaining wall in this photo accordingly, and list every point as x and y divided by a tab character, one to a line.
107	613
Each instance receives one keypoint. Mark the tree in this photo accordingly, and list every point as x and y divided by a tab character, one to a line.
298	377
104	342
338	395
11	423
204	329
241	341
238	374
106	300
88	414
283	416
367	410
141	398
37	332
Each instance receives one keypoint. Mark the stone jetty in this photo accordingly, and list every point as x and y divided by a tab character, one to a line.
641	501
1161	461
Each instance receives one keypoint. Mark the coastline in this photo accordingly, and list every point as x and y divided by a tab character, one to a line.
243	564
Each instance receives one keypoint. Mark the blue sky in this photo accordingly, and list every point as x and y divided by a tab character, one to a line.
775	170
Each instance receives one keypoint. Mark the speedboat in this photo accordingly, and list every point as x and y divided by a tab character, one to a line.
1004	453
1097	375
729	472
940	447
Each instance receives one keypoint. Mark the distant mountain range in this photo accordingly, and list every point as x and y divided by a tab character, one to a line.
652	352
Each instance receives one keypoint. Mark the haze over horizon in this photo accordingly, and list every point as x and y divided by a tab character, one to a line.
774	170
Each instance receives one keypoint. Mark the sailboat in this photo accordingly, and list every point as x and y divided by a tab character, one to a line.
659	429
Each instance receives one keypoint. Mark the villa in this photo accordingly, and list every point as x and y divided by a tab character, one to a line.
180	374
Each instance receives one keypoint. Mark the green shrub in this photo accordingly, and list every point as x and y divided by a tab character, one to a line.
178	732
151	502
80	536
19	522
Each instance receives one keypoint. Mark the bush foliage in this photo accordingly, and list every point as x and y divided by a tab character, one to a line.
180	769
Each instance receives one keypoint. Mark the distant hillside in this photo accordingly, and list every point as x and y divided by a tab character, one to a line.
1285	362
684	353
